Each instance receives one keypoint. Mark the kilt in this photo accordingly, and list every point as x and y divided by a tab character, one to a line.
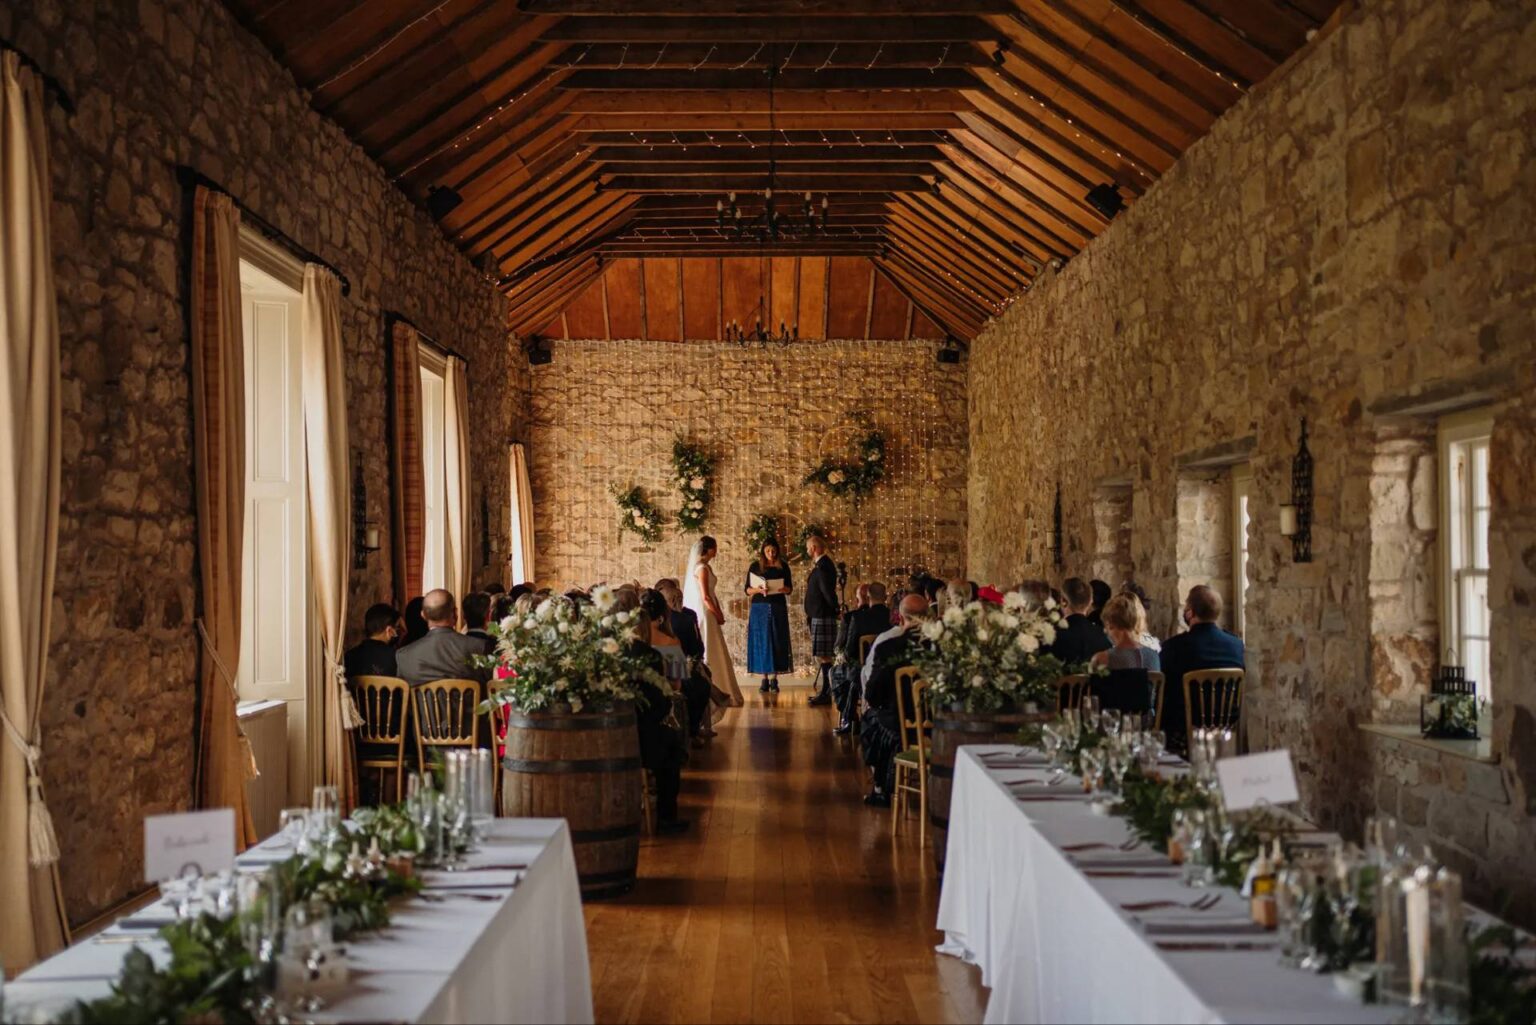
823	637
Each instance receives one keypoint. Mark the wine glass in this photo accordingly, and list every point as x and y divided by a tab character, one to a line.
1093	768
1199	849
326	812
1091	707
292	823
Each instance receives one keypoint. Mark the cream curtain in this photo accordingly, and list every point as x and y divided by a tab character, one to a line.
31	917
218	433
522	519
330	525
409	508
456	478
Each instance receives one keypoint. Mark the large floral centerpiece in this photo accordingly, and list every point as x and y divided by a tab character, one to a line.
569	656
983	658
693	471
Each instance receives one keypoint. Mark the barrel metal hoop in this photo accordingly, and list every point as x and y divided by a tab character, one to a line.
571	724
605	835
561	767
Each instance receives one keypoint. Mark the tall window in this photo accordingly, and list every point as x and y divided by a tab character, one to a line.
1464	617
1242	484
275	608
434	569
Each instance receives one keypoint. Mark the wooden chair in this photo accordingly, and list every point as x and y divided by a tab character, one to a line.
385	705
866	641
1070	690
912	759
447	714
1159	684
1211	699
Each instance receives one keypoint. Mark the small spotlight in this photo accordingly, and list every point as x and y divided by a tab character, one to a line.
441	200
1106	200
999	53
538	351
950	351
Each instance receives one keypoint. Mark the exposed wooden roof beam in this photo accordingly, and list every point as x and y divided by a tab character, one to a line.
786	157
756	78
656	56
694	28
726	121
761	8
786	171
1194	54
748	182
814	139
867	101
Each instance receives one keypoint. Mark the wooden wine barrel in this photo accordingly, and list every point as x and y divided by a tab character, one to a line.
951	731
584	768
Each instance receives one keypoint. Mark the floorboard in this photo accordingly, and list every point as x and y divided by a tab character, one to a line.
788	900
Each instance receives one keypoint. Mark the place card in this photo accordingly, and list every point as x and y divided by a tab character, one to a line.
1267	778
176	845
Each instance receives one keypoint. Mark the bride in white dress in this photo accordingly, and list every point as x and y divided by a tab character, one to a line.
699	595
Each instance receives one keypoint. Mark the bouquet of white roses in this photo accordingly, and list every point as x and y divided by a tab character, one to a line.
986	659
568	655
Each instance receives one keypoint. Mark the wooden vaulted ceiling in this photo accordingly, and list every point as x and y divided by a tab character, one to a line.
956	140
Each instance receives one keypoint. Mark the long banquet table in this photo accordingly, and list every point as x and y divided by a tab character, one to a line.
521	957
1054	943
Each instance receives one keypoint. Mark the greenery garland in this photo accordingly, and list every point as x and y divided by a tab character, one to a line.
693	471
800	554
636	514
211	975
763	528
856	479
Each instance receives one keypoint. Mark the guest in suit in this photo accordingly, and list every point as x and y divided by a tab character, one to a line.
873	618
477	610
444	653
880	734
845	670
860	600
1078	640
375	656
1204	646
821	609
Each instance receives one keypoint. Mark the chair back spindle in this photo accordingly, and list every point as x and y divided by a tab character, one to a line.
1212	699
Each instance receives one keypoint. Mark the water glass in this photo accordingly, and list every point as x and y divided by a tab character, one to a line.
1199	849
292	824
1091	707
325	813
1093	768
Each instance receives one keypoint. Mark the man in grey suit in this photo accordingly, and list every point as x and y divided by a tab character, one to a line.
444	653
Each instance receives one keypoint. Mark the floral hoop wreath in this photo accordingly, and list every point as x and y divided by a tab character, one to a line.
856	478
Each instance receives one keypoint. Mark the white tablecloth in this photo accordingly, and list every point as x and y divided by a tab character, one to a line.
1055	945
522	958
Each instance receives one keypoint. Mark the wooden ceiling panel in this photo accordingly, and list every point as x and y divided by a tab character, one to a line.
663	299
956	140
585	315
701	298
626	299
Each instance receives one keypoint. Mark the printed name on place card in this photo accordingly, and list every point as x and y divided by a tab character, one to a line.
1252	780
200	841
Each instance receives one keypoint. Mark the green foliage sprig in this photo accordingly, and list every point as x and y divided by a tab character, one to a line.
693	470
855	479
1502	985
637	514
799	554
211	977
764	527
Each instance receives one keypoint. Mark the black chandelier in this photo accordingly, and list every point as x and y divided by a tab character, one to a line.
772	224
758	335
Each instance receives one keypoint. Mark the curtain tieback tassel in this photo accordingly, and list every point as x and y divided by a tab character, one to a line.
42	841
351	718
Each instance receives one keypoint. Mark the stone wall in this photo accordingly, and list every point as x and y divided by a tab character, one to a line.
1350	241
159	83
606	413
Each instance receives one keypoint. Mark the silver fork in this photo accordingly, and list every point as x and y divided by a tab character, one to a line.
1205	903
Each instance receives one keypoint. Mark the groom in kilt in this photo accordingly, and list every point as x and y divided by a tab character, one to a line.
821	609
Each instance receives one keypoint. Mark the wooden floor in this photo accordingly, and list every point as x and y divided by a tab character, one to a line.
786	902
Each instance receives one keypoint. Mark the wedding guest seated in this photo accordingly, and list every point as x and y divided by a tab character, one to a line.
873	618
1148	639
693	687
843	669
501	607
444	653
1127	688
1204	646
415	626
661	750
685	627
375	656
880	733
1078	640
477	609
1102	592
1036	593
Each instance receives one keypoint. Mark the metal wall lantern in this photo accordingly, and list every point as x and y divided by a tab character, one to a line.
365	536
1296	515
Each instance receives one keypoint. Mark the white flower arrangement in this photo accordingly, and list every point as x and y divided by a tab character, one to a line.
693	472
569	656
986	659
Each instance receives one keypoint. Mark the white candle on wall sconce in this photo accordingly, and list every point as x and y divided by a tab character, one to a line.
371	538
1288	524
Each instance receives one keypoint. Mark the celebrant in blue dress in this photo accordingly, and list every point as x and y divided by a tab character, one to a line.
768	582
